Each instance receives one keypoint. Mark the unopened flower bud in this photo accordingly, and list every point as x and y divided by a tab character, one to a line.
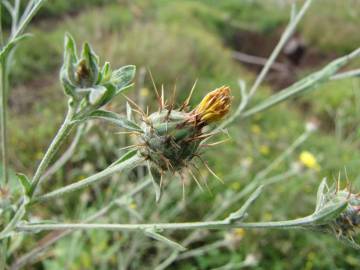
171	138
342	209
214	106
87	69
348	222
83	80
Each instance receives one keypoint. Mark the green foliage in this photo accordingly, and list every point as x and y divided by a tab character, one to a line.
57	8
340	37
180	41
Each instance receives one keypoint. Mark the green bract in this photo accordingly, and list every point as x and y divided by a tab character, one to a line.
170	141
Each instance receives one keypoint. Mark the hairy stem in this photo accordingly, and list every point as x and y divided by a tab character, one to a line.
66	156
61	135
16	31
210	225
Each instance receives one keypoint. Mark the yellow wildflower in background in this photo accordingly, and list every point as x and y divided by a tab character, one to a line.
265	150
239	232
133	205
267	216
308	160
39	155
235	186
256	129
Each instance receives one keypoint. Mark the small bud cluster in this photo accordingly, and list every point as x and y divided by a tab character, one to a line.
84	80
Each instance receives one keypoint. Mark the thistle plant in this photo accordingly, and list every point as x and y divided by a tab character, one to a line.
169	141
170	138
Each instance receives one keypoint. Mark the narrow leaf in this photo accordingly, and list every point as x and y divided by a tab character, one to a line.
156	179
116	119
25	182
123	77
105	73
67	72
165	240
329	212
307	83
320	197
70	49
240	214
125	157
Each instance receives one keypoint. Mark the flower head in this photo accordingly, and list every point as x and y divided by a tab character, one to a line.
339	212
348	222
214	106
171	137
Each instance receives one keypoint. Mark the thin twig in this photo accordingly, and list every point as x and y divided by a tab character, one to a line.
346	75
284	38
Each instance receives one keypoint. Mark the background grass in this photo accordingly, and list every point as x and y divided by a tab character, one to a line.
181	41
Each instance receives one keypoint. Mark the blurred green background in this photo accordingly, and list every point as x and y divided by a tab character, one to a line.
180	42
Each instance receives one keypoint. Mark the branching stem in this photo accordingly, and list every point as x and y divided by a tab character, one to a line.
61	135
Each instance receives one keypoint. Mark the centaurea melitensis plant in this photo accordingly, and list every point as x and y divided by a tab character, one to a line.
168	142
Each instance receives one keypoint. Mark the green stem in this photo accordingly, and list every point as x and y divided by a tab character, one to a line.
67	154
61	135
126	165
306	84
246	97
24	22
209	225
346	74
284	38
3	113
